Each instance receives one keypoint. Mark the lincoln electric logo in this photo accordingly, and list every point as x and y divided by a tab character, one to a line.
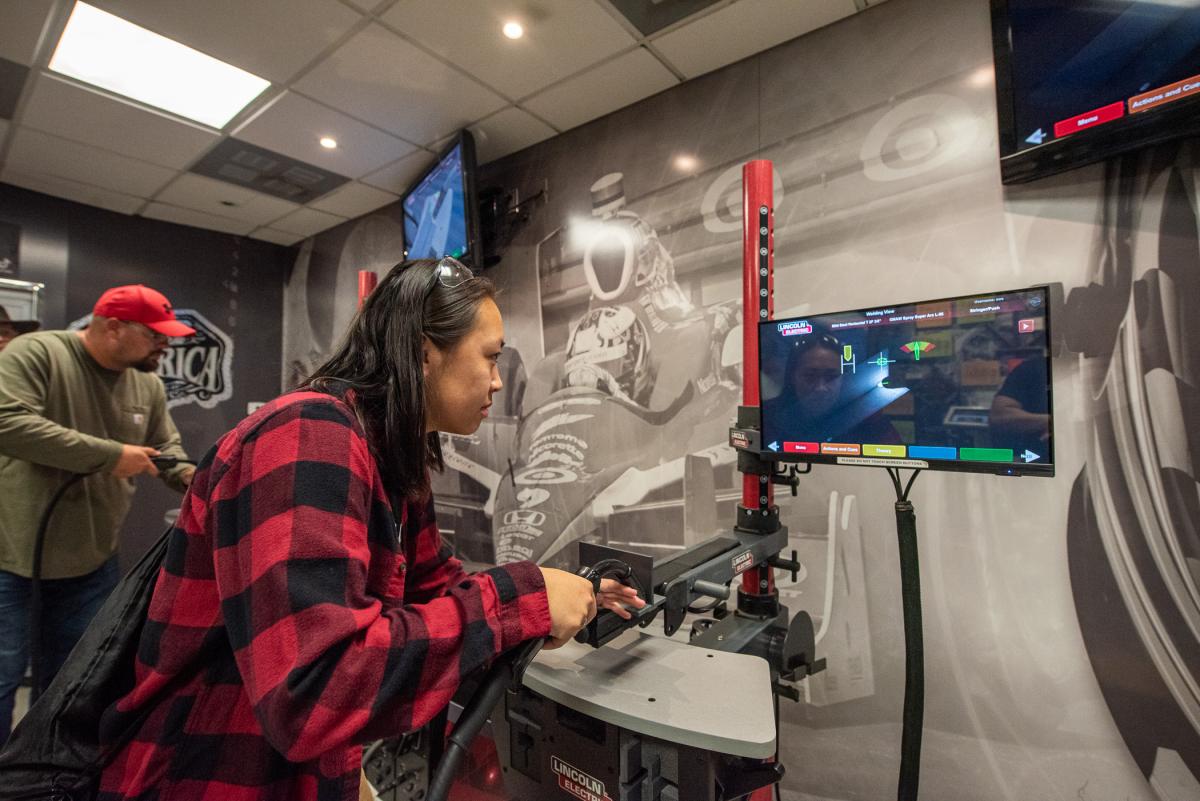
200	368
577	783
794	328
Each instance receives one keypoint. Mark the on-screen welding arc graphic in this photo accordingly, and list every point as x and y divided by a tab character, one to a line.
917	347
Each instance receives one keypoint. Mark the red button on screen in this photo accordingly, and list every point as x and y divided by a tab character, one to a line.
1097	117
801	447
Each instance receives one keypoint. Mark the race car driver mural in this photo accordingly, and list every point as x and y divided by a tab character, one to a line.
609	416
1133	536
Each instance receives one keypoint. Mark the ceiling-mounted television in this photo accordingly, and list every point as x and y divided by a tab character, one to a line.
441	213
959	383
1078	81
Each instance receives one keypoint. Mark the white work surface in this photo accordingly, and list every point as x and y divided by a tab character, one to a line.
665	689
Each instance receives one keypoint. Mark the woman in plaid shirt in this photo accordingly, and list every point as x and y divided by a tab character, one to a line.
307	604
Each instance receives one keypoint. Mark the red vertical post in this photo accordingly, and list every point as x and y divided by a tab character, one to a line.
758	305
366	282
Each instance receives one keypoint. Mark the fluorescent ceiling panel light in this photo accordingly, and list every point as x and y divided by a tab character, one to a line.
106	51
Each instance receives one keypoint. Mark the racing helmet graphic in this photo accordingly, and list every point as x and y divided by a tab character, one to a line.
608	350
623	252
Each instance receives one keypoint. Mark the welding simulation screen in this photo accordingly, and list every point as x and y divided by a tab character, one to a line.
963	383
435	221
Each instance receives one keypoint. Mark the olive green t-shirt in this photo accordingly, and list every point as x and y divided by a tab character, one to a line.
62	413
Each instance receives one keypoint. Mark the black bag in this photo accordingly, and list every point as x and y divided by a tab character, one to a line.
54	754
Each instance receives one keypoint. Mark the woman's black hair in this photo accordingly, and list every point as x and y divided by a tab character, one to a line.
378	365
817	339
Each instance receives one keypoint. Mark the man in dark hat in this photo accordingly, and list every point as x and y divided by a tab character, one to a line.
10	328
77	402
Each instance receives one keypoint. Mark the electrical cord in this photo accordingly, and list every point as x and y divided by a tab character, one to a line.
775	698
37	665
505	673
914	660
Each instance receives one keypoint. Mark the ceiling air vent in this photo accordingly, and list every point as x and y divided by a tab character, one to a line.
650	16
244	164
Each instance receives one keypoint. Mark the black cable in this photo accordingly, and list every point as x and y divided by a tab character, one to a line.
775	698
37	665
914	662
894	475
908	486
505	672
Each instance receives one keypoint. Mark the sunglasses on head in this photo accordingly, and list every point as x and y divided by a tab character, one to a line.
812	340
451	273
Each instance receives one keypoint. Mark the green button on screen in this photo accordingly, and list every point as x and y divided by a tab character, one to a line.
986	454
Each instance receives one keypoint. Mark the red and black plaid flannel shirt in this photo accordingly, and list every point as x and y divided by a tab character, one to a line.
292	620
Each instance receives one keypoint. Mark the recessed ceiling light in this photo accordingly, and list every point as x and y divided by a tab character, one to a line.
106	51
328	142
686	163
513	29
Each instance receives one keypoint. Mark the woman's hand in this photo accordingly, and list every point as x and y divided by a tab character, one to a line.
571	603
615	596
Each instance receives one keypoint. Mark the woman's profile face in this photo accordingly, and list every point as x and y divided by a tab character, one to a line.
816	381
460	381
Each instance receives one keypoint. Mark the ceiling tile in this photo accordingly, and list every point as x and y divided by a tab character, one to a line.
197	219
22	22
354	200
609	87
270	38
380	78
57	106
191	191
40	153
278	237
307	222
507	132
743	29
561	38
399	175
73	190
293	125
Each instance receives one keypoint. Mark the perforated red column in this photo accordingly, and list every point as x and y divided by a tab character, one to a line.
758	275
366	282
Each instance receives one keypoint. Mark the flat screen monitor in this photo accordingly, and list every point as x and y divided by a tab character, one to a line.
952	384
1082	80
440	210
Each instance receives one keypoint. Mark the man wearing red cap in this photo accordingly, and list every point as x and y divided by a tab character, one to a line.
77	402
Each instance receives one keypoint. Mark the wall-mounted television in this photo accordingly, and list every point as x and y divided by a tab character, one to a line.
1078	81
959	383
441	212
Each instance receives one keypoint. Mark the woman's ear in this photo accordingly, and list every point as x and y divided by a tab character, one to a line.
431	357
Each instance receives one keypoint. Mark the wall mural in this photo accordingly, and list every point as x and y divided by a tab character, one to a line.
1062	616
197	369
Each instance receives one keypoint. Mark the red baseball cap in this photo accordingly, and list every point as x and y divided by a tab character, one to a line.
141	304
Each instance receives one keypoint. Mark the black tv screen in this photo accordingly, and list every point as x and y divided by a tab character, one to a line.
1082	80
440	210
952	384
